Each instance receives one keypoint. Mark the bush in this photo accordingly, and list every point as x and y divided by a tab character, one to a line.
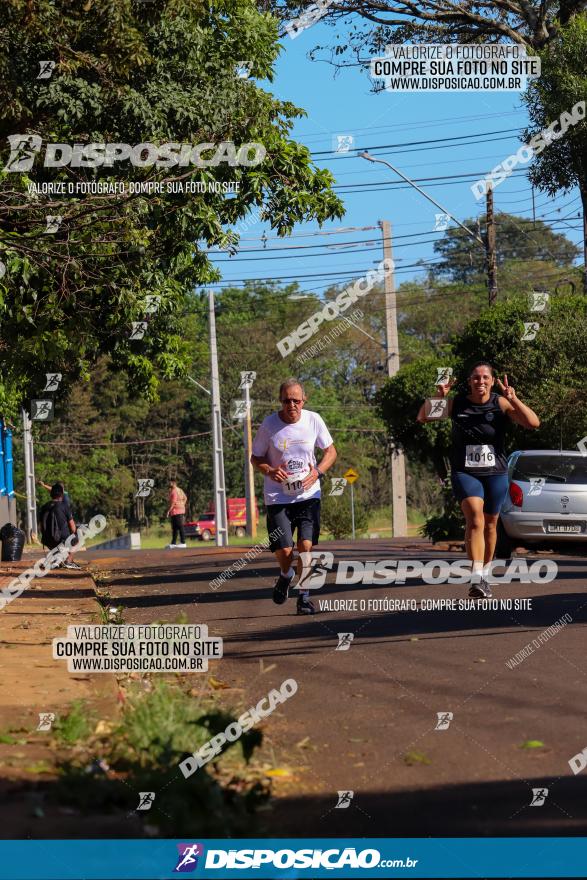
336	515
142	752
448	525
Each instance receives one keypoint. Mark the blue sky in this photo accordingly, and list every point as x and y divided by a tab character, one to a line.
344	105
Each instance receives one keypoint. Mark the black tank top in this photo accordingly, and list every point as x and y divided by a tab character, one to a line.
478	434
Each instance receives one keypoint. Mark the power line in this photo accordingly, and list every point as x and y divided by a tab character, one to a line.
475	175
73	442
484	135
412	125
264	256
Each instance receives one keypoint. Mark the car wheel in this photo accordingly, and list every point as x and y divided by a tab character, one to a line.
240	532
206	535
504	546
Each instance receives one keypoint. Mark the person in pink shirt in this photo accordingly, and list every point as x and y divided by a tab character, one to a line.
177	502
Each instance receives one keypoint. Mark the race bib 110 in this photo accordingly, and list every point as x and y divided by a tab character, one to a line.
293	484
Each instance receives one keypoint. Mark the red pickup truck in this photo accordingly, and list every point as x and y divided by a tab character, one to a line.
204	528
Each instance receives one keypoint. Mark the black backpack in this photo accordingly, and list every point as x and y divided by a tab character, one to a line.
50	530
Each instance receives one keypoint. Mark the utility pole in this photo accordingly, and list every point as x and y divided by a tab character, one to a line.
398	465
219	484
490	249
249	475
29	475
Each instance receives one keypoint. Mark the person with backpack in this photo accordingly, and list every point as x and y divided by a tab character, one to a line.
177	503
46	486
57	524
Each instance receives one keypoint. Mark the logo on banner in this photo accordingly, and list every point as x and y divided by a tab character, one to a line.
189	853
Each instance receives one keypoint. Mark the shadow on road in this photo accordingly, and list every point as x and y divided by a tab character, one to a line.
490	809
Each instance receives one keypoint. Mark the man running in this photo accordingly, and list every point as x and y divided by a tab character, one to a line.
479	463
283	450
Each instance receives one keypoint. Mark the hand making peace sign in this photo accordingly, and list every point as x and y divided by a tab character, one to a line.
507	390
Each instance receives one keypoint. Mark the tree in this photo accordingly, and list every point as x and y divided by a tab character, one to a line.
106	436
526	22
560	87
546	374
517	239
399	401
132	73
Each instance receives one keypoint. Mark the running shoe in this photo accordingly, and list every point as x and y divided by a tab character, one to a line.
281	589
73	566
181	546
487	588
477	591
304	606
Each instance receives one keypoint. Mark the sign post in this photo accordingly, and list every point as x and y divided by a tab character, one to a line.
350	476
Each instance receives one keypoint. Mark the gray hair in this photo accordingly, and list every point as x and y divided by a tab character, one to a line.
289	383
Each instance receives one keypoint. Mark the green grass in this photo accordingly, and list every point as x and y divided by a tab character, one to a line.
74	726
144	748
157	537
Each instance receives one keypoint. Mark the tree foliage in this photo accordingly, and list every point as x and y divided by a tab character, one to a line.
157	72
546	373
376	23
561	85
106	436
518	239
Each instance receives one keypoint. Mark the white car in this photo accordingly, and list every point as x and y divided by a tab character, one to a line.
546	500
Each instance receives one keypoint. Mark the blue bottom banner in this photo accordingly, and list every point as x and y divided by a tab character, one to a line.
294	858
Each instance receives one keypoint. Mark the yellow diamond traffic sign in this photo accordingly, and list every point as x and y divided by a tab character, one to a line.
351	475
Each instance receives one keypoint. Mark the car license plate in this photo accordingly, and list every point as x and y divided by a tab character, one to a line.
572	528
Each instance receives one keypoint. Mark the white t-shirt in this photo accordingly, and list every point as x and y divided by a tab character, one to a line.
291	446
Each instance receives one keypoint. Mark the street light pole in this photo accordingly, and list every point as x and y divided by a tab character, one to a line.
366	155
488	243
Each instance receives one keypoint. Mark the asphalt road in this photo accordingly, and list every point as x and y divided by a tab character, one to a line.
364	719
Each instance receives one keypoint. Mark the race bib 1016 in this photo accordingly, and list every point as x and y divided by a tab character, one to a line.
480	456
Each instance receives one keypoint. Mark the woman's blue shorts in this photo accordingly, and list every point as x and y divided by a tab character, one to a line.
492	489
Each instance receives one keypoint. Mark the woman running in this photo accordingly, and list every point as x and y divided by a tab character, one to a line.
478	461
